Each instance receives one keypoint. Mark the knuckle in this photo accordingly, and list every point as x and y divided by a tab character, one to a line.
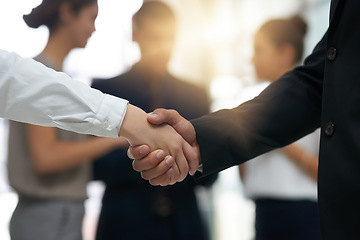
176	147
153	159
173	111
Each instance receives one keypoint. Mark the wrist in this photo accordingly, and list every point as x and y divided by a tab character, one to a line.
133	121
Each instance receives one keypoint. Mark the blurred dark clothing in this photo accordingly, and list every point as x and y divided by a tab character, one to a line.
131	207
286	220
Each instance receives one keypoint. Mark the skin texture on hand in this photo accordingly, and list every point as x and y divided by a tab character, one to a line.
157	166
151	164
139	131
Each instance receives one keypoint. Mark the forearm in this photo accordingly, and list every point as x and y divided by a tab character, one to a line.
48	98
60	156
308	163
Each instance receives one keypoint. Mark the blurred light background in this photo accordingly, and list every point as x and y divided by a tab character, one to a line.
213	49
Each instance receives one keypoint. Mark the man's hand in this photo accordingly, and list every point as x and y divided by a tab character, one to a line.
138	131
152	165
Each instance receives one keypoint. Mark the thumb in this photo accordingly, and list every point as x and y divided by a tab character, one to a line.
161	116
154	118
174	119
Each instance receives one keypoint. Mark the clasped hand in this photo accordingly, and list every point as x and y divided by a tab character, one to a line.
159	167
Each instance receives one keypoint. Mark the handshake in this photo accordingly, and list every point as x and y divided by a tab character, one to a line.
163	145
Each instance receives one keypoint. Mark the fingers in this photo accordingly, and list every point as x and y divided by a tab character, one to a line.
183	168
193	158
170	177
151	161
164	180
162	170
165	173
138	152
174	173
160	175
157	166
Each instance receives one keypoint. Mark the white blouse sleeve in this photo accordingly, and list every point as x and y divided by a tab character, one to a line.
33	93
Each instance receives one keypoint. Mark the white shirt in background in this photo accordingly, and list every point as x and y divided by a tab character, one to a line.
273	174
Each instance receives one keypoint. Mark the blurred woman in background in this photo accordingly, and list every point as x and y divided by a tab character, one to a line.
48	167
282	183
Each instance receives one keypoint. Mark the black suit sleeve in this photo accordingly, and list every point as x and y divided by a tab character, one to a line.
284	112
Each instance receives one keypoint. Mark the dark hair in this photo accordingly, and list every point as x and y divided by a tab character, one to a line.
291	31
47	13
153	9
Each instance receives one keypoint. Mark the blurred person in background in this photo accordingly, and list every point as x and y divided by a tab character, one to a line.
131	207
48	167
323	92
283	182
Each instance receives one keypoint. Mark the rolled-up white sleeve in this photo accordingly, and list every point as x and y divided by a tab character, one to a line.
33	93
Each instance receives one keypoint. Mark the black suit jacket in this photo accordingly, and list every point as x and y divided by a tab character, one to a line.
130	204
324	92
